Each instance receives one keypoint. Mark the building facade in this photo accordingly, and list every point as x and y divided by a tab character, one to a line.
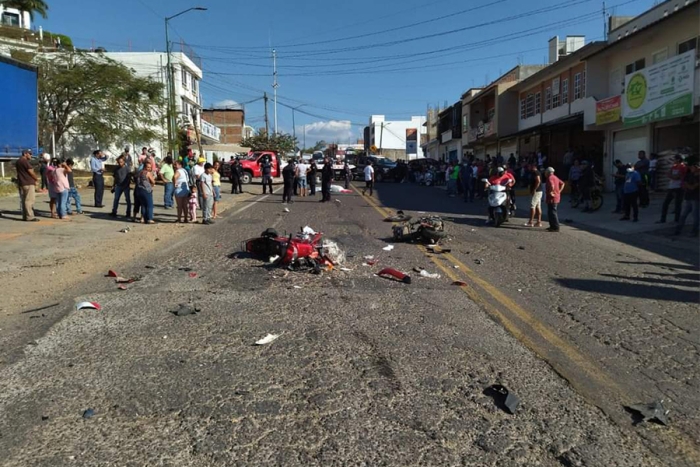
15	17
396	139
646	85
450	133
231	122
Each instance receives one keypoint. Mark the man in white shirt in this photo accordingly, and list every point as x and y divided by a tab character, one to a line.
301	171
369	178
197	172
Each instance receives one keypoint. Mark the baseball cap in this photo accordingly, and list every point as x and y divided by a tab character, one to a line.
201	160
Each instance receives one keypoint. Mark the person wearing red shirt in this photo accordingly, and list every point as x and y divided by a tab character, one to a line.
554	189
675	189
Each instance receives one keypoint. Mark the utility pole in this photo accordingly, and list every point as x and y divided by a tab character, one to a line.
267	120
275	85
605	24
302	152
381	138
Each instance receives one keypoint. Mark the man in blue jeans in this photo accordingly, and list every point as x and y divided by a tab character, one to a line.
73	191
122	179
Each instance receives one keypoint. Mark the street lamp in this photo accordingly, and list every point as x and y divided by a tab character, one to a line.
169	75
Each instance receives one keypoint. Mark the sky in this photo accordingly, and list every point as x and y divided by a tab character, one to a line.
339	62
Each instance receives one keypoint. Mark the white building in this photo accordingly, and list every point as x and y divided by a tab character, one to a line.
15	17
397	139
186	78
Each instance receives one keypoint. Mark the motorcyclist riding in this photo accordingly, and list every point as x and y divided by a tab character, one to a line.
504	179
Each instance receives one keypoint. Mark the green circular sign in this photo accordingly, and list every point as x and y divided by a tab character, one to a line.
636	91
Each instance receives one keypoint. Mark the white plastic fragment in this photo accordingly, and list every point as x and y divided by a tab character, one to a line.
286	209
388	248
308	231
88	306
346	269
333	252
425	273
267	339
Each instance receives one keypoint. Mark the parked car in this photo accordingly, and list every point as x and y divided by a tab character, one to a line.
251	165
383	167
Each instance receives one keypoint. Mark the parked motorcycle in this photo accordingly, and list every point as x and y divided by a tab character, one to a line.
596	196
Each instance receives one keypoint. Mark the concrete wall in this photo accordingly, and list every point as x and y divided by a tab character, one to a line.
393	135
229	121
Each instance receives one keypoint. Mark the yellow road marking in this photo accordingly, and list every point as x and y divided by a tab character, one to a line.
684	446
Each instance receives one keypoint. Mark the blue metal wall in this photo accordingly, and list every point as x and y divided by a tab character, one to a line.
18	108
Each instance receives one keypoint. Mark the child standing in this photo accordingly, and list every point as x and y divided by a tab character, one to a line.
193	204
72	191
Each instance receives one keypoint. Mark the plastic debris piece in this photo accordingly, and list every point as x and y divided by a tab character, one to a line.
406	279
653	411
333	252
425	273
88	306
346	269
479	261
308	231
456	267
185	269
337	201
503	398
388	248
125	230
373	262
285	209
460	283
418	269
267	339
369	257
123	280
89	413
112	273
122	287
149	266
184	310
193	275
297	287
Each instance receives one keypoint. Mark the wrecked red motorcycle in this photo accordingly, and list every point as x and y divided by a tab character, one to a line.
305	249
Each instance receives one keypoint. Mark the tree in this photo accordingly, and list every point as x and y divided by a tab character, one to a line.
89	94
280	143
32	6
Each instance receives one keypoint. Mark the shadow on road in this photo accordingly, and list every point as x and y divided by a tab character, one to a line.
626	289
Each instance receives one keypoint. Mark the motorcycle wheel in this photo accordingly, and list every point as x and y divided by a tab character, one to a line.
596	200
433	235
575	202
498	220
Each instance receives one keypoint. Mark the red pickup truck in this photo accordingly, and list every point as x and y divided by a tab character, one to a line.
252	165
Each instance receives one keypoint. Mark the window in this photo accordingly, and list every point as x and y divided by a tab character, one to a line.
659	56
530	105
195	85
577	86
690	44
185	79
547	99
583	84
555	100
538	103
523	111
635	66
565	91
464	123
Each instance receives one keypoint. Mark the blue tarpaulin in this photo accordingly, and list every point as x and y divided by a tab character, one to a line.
18	108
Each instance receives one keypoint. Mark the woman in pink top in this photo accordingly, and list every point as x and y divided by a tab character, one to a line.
62	188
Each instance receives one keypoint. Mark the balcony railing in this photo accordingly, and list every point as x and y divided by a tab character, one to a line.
210	131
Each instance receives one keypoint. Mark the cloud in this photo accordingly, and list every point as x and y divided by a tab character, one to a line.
331	131
226	104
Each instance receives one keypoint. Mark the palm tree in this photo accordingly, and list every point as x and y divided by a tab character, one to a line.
32	6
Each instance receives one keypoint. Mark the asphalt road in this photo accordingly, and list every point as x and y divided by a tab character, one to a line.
368	371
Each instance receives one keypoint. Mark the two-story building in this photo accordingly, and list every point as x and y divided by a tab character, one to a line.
492	112
450	133
646	84
551	105
396	139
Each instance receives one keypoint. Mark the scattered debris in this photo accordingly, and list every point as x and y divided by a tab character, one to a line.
521	248
460	283
88	306
124	280
286	209
112	273
520	290
406	279
185	269
425	273
388	248
39	309
346	269
89	413
308	231
503	398
337	201
370	257
273	259
44	418
372	262
653	411
400	216
456	267
295	251
125	230
185	310
122	287
193	275
437	249
149	266
479	261
428	230
333	252
418	269
297	287
267	339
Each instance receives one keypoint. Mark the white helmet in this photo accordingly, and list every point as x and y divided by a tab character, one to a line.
46	157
